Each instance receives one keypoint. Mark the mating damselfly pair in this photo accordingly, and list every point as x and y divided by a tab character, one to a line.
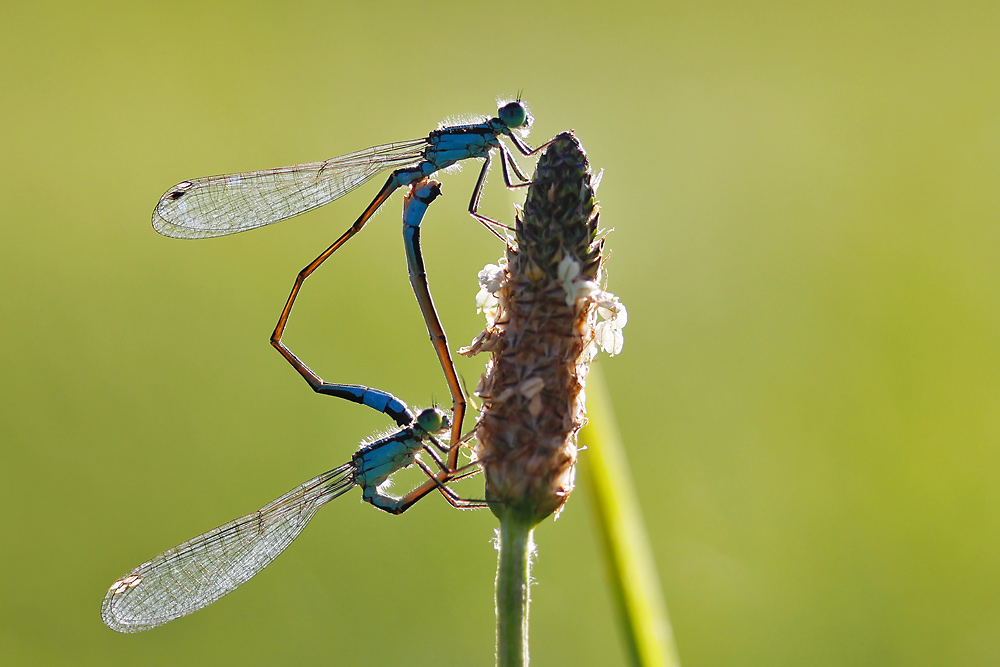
202	570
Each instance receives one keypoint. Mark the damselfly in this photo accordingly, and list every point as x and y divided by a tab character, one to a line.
198	572
221	205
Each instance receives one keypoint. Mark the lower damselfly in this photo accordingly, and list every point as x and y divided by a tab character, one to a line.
198	572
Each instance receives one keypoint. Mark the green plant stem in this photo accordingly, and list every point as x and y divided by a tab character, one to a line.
513	577
622	533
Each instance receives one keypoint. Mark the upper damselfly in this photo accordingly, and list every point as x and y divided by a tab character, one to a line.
222	205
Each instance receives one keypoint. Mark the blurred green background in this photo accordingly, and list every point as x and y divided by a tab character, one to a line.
807	231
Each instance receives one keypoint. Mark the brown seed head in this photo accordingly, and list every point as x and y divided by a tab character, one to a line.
541	339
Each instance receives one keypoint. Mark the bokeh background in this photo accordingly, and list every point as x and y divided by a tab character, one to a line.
807	232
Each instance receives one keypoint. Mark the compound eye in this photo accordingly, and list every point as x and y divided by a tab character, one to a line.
513	115
432	420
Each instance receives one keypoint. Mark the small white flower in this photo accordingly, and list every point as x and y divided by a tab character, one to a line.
576	287
488	305
491	279
608	332
568	269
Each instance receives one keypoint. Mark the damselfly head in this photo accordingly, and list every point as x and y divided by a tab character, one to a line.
432	420
514	114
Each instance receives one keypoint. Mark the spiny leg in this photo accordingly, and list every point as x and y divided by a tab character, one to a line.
453	498
477	194
468	470
524	148
463	472
453	474
393	505
445	450
509	164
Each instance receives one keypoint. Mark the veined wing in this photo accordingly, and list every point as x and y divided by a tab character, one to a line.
221	205
200	571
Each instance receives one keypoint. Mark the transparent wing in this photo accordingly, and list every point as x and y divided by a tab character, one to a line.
200	571
221	205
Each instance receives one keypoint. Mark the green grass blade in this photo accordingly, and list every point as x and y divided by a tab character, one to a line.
622	534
